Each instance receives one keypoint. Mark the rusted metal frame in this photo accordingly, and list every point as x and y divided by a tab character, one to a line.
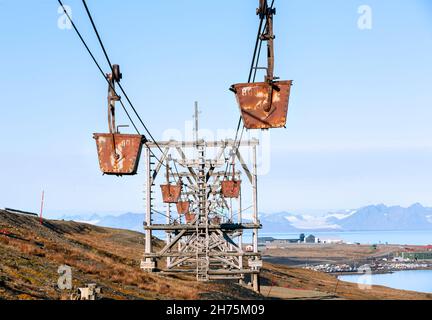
269	37
112	98
159	165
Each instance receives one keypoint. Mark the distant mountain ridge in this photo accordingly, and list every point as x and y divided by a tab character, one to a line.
369	218
381	217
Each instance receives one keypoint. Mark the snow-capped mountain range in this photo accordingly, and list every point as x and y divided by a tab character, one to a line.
369	218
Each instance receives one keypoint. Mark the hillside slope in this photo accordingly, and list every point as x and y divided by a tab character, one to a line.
30	255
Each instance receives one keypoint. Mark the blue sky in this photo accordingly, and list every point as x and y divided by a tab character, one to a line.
359	122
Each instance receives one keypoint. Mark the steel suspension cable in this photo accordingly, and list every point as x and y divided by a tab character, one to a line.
103	74
251	77
253	70
120	85
96	62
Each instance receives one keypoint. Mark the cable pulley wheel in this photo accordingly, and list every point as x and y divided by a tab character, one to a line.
117	76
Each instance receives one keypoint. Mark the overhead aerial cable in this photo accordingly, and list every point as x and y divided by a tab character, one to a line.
264	105
119	84
94	60
106	77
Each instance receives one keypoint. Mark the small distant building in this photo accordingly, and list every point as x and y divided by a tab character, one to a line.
310	239
272	243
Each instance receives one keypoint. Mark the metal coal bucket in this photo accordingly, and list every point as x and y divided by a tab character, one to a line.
231	188
171	193
119	154
190	217
183	207
263	105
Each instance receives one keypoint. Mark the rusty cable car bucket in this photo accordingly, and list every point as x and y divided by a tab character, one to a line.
231	188
119	154
190	217
183	207
263	105
171	192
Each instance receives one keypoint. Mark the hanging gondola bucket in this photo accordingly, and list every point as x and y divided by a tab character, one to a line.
171	192
119	154
190	217
231	188
263	106
183	207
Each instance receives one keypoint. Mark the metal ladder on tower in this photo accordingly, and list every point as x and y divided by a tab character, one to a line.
202	254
